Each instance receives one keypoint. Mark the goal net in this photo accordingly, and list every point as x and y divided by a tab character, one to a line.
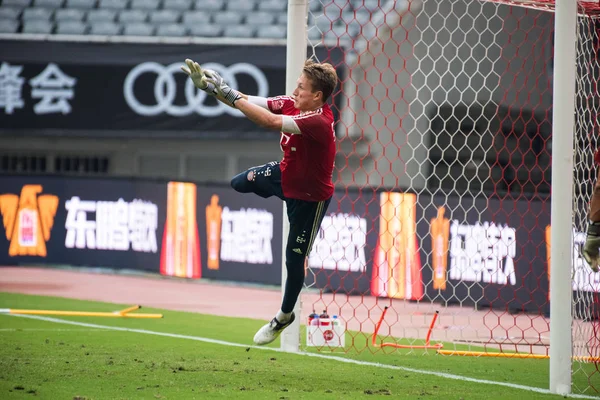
442	210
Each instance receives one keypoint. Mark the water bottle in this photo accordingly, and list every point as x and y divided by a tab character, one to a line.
312	316
336	321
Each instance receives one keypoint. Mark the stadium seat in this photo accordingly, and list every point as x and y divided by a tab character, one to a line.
314	34
71	28
8	26
205	30
127	16
11	13
354	27
239	31
113	4
195	17
101	15
48	3
181	5
83	4
171	30
370	5
342	4
69	14
228	18
260	18
332	12
241	5
105	28
272	32
139	29
282	18
164	16
16	3
362	16
322	22
37	26
44	14
209	5
144	4
315	6
272	5
341	31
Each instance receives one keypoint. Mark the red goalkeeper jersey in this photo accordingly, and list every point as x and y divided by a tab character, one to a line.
308	158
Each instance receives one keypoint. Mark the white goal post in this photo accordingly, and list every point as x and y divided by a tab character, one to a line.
295	57
565	38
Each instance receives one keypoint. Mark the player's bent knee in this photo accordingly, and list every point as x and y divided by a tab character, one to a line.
294	263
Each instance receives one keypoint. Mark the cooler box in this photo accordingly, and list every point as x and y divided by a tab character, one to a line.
329	332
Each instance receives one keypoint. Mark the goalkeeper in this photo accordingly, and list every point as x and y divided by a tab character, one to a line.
303	178
592	240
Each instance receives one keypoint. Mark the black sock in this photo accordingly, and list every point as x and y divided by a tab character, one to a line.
295	280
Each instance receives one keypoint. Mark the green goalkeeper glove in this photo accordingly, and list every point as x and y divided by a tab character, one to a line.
198	76
228	94
591	246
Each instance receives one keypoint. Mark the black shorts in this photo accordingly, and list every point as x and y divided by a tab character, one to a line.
305	217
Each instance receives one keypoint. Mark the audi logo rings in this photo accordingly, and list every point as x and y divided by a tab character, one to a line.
165	89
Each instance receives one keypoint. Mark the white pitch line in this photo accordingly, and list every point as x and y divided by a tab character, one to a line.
322	356
50	330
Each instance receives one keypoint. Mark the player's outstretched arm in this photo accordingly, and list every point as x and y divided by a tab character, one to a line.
203	79
213	84
224	100
254	112
260	116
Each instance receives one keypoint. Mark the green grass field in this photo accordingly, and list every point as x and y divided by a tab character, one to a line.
207	357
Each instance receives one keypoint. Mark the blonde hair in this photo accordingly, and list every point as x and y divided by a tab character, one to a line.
323	77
